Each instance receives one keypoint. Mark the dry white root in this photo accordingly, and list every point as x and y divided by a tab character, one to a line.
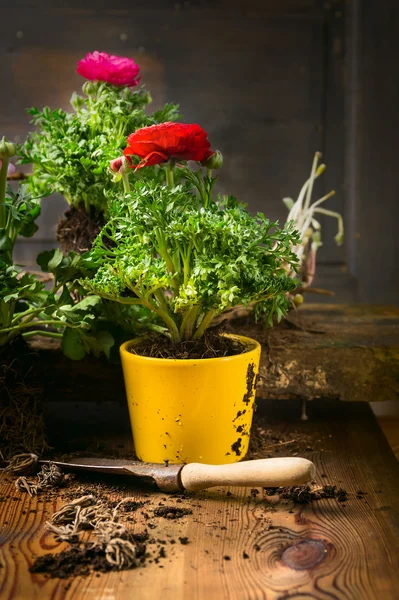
24	485
70	512
83	513
22	463
50	476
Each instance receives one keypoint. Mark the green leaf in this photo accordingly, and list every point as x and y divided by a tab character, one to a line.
56	260
72	345
44	258
5	241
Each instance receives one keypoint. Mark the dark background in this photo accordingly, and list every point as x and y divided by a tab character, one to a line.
272	81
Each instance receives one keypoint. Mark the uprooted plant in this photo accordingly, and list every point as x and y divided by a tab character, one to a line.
179	250
303	213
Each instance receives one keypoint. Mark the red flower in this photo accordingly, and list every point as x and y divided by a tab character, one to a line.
117	70
158	143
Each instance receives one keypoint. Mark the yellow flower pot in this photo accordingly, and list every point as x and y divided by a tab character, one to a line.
191	410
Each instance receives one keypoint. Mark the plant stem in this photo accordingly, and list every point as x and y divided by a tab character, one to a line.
188	322
170	180
29	324
164	254
49	334
31	312
3	185
126	182
206	321
311	182
163	312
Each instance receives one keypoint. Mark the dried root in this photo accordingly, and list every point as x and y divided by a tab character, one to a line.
121	552
50	476
23	485
22	463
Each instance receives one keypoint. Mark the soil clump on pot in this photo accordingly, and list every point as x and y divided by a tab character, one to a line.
21	393
211	345
77	230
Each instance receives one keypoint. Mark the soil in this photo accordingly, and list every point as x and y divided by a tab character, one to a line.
172	512
77	230
21	393
71	563
304	494
211	345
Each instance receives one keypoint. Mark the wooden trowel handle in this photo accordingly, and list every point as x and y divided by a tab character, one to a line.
267	472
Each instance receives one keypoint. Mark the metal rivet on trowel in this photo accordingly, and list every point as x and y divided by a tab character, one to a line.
304	555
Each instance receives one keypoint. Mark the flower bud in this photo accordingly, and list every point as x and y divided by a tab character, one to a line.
214	160
77	101
145	96
90	87
298	299
7	149
120	165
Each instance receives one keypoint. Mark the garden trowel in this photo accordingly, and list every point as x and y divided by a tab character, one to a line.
267	472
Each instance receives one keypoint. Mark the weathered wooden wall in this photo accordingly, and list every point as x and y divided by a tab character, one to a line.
271	80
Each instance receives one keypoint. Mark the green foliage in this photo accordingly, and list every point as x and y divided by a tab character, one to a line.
21	212
188	258
71	151
89	326
27	308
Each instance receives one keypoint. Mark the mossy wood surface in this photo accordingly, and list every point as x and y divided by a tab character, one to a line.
349	352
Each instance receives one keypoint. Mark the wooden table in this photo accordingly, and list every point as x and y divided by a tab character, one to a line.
359	556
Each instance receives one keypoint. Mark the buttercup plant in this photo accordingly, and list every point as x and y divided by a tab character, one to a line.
71	151
181	251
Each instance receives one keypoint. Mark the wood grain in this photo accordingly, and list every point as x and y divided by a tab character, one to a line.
359	537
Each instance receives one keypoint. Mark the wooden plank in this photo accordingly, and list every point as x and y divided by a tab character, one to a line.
349	352
359	536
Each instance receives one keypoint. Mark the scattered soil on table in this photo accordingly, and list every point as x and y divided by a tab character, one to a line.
132	506
270	437
211	345
77	230
172	512
21	393
304	494
72	563
80	561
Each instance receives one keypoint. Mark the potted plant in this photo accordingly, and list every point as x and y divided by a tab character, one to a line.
71	151
188	255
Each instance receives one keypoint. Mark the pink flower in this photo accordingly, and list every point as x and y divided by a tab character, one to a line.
117	70
10	170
